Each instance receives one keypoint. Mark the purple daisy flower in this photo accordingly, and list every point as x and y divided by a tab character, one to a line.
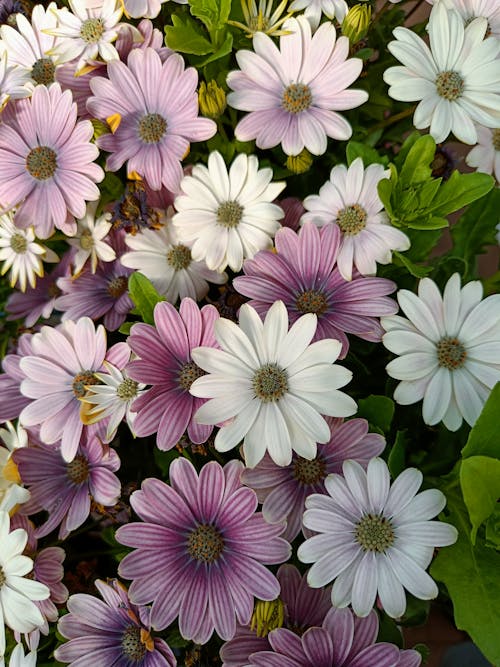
303	607
202	551
303	275
47	161
12	401
283	490
65	489
343	640
165	362
114	632
158	115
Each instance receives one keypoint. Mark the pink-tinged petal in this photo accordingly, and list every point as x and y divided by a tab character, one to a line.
174	422
210	491
317	645
194	606
253	576
221	605
159	503
340	625
172	330
286	643
382	655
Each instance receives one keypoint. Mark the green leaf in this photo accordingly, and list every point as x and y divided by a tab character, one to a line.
144	295
409	142
369	155
483	438
186	36
397	456
480	482
384	189
493	529
225	48
163	459
417	271
471	577
125	328
377	410
422	244
111	189
460	190
416	167
429	222
213	13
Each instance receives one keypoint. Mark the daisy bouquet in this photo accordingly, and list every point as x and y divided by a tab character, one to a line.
250	336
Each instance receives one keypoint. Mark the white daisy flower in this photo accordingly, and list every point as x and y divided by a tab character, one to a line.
315	8
21	254
17	609
168	263
113	398
272	384
27	46
19	659
350	200
473	9
457	80
485	157
89	239
86	33
449	350
374	539
11	491
227	217
13	83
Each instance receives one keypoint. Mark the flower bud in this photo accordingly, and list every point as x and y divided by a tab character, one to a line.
212	99
356	23
299	164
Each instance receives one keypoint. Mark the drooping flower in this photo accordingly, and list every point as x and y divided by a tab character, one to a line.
485	157
283	490
350	200
374	538
272	384
315	8
145	8
89	239
303	274
164	360
225	217
456	80
17	593
156	121
47	161
65	490
11	491
169	265
449	350
202	551
115	632
292	94
142	36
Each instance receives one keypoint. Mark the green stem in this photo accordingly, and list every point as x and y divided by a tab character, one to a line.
395	118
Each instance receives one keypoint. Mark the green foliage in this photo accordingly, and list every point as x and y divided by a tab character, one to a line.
186	36
213	13
112	188
480	482
483	439
144	295
377	410
369	155
492	531
397	455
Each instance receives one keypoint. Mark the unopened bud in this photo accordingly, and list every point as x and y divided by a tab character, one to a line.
356	23
212	99
299	164
267	616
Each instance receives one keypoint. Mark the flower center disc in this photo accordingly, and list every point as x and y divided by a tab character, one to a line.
127	389
81	380
188	374
450	85
179	257
205	543
374	533
151	128
43	71
312	301
309	472
19	244
296	98
270	383
86	240
78	469
451	353
351	219
117	286
229	214
41	162
92	30
496	140
132	645
3	578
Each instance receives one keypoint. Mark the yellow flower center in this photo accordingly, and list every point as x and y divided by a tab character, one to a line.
374	533
43	71
41	162
297	97
179	257
92	30
449	85
351	219
312	301
205	543
451	353
229	214
19	244
270	383
151	128
78	469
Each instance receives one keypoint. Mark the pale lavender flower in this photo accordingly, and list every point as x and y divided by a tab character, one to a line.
142	36
12	401
201	553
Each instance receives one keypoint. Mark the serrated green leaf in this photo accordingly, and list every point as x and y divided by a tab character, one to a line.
369	155
397	455
377	410
223	50
480	482
416	167
459	191
144	295
185	36
483	438
414	269
213	13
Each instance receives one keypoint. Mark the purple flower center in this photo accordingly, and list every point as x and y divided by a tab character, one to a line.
151	128
81	380
188	374
19	244
205	543
296	98
312	301
374	533
229	214
117	286
496	140
351	219
179	257
78	469
127	389
92	30
449	85
451	353
270	383
43	71
132	644
41	162
309	472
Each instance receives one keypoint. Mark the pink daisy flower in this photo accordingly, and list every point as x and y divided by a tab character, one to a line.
293	93
202	551
164	361
283	490
158	115
304	276
47	162
56	375
12	401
